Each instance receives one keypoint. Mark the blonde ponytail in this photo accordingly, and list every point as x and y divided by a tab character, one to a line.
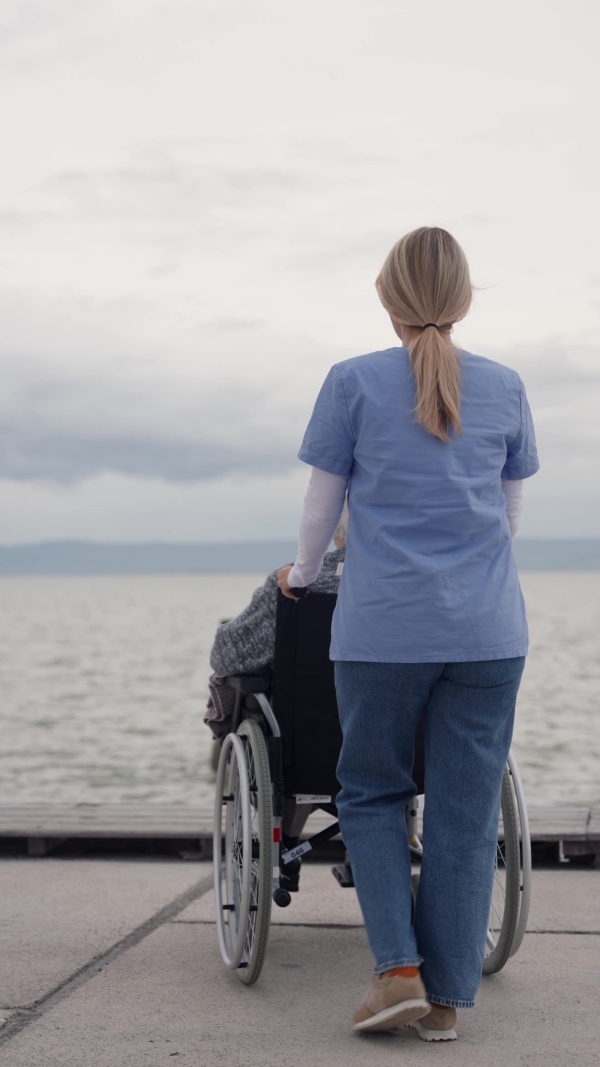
424	283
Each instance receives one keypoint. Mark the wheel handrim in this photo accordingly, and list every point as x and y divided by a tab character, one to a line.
238	839
526	860
255	850
504	904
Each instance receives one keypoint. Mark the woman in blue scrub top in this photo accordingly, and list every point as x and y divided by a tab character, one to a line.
431	445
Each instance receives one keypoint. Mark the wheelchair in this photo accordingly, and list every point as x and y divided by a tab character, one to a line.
279	762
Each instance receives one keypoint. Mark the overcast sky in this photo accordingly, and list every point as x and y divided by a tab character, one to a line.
195	199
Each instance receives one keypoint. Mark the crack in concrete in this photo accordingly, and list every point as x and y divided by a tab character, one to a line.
69	985
26	1014
360	926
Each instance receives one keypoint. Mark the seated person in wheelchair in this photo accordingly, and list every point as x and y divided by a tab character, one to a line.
246	644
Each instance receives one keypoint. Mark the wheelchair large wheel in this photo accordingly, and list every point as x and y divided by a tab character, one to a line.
243	879
526	861
506	892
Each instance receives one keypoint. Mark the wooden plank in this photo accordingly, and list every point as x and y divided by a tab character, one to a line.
185	821
106	820
558	824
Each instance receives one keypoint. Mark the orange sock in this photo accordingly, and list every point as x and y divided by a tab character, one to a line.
404	972
439	1007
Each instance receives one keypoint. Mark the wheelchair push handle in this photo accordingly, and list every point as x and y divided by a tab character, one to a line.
299	591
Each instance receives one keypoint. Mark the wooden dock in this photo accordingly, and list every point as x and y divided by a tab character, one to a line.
38	829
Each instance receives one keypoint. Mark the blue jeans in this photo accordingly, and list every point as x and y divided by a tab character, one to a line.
469	713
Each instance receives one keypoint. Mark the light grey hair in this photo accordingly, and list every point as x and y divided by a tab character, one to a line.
341	531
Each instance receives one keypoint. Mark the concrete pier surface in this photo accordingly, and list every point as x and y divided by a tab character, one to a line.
114	963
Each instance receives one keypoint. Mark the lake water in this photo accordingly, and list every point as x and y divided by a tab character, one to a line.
103	685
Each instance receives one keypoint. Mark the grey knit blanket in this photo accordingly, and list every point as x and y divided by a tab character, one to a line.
246	644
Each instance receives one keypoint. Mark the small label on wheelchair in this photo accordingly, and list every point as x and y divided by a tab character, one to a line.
312	798
293	853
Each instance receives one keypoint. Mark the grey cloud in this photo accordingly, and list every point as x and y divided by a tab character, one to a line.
259	179
343	154
168	427
171	187
66	459
228	398
21	21
17	220
562	379
562	128
293	62
36	35
477	220
228	324
184	407
558	371
42	33
369	246
175	204
175	427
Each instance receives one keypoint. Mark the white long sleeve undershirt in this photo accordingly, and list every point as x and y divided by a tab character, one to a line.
323	506
513	492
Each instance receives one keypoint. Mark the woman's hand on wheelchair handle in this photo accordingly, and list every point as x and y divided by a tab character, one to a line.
282	582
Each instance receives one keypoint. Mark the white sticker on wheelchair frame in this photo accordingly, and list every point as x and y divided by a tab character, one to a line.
312	798
293	853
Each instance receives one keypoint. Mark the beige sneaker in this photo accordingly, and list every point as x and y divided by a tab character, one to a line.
438	1025
391	1003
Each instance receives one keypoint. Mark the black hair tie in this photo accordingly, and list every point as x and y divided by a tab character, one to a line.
434	324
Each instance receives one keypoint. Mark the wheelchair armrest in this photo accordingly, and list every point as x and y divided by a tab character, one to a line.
247	683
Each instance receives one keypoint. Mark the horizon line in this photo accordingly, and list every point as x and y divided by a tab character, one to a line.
217	543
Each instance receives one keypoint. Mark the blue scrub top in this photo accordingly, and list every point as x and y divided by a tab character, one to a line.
429	574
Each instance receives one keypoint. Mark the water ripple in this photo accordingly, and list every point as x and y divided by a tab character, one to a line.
103	685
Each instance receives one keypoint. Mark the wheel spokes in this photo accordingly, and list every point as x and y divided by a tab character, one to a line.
497	902
243	881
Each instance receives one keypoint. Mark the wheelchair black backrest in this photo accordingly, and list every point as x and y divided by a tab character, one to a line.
303	693
304	701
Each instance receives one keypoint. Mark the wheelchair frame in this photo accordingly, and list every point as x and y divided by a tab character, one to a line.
243	912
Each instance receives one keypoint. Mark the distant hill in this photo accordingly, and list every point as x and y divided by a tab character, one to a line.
86	557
